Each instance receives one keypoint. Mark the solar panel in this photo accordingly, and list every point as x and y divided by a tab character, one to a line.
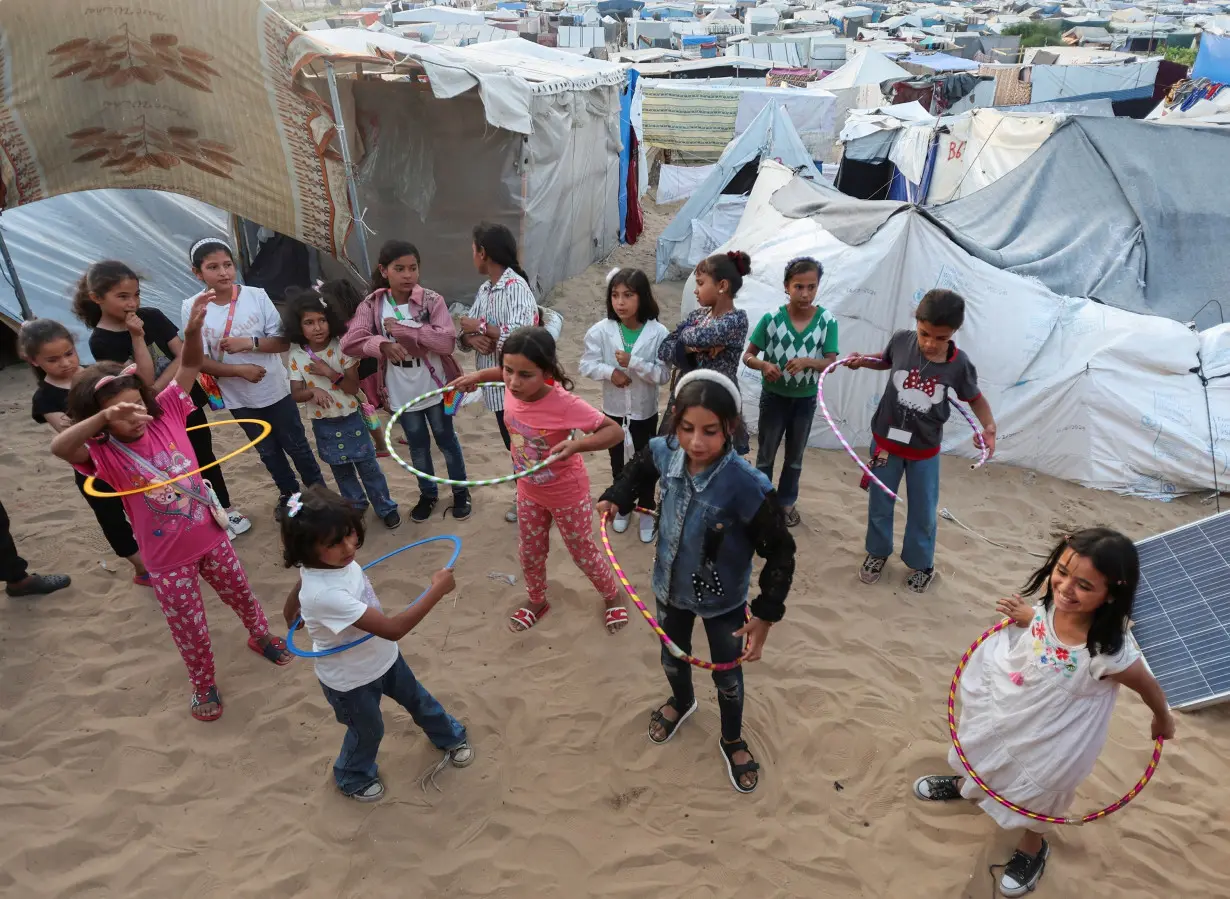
1182	611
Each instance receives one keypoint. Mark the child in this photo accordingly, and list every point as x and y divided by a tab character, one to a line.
243	346
622	352
108	300
49	348
346	298
908	427
799	341
503	304
132	438
321	533
328	382
410	333
1035	709
717	510
540	416
713	336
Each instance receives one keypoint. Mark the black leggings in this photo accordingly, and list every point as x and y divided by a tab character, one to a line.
724	646
507	438
109	512
12	566
642	432
203	447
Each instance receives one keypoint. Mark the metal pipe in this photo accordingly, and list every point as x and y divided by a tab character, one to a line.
14	280
352	188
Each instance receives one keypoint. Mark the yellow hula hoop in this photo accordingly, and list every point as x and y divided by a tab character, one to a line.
267	429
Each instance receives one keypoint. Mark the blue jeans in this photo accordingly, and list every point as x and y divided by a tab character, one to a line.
359	710
790	417
416	425
348	476
286	439
724	646
922	480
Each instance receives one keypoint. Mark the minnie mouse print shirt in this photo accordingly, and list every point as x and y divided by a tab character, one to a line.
909	421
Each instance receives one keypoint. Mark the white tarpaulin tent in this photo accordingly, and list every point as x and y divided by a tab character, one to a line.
1082	391
710	216
857	86
55	240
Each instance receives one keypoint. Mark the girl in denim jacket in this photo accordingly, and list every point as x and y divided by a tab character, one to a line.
716	511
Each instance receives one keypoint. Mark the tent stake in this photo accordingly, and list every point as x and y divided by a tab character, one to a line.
16	282
351	187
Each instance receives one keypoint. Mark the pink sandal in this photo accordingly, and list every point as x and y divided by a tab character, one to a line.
524	619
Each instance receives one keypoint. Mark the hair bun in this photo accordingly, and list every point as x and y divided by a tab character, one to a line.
742	261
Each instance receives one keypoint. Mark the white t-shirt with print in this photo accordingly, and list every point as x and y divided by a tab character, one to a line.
255	317
413	377
332	356
331	600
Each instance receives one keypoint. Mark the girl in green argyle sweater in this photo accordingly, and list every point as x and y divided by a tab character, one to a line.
799	341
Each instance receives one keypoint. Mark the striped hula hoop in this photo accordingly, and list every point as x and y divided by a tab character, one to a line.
824	408
670	645
390	441
1048	819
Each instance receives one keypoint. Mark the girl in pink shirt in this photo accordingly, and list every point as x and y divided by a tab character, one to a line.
541	415
125	435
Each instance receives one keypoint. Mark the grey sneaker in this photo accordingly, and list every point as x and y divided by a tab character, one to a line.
511	515
373	792
461	756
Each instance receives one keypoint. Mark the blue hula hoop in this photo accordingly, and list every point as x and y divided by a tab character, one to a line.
312	654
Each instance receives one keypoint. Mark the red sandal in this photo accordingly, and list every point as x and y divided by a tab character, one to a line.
616	615
200	698
274	650
524	619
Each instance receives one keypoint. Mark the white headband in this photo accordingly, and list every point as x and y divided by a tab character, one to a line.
612	273
208	240
705	374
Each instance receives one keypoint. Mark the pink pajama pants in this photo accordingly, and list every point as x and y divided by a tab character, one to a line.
576	526
179	593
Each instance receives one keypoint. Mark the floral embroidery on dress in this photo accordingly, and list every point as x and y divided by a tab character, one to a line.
1055	657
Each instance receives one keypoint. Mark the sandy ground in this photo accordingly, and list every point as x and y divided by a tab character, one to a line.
109	789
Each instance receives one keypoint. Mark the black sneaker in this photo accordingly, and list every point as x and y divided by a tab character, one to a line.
392	521
1022	873
422	509
461	506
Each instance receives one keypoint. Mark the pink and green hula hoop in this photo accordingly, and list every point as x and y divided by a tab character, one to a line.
824	409
1048	819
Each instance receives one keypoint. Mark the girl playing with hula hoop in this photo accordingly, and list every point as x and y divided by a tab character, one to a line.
716	512
321	534
132	439
540	413
1036	706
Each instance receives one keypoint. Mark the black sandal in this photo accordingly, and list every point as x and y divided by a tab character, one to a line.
737	771
656	717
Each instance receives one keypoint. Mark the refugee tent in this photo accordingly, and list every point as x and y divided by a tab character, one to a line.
714	209
1153	244
857	86
1082	391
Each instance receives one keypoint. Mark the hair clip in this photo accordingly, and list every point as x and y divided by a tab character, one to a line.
125	372
323	303
319	284
294	505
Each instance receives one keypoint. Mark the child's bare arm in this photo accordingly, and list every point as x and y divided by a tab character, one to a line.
290	611
397	626
1138	678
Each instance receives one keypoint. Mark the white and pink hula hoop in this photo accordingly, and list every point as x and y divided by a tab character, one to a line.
824	408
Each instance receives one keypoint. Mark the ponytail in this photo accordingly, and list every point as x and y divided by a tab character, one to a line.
499	245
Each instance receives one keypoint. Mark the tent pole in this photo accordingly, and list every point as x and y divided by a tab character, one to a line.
16	282
351	187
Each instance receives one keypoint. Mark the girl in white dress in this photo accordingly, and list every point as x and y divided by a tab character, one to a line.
1036	706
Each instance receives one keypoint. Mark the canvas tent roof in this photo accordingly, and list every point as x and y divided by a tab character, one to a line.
868	67
770	135
1154	247
1081	391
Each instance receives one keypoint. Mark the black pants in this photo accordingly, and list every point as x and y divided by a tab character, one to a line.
504	435
642	432
12	566
203	447
724	646
109	512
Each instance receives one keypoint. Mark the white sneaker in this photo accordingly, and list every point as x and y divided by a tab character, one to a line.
648	527
236	523
621	523
511	515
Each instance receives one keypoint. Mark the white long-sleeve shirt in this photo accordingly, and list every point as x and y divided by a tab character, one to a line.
639	400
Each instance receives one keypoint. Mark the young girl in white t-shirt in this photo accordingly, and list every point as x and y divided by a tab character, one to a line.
1036	706
407	329
243	346
326	381
321	534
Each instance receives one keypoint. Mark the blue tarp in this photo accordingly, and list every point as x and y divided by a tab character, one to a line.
625	159
941	62
1213	59
609	7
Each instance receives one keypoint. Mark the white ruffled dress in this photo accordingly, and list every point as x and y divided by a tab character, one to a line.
1034	717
